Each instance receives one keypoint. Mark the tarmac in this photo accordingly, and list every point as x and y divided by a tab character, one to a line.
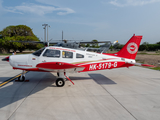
117	94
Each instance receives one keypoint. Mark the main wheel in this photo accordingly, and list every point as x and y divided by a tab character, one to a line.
60	82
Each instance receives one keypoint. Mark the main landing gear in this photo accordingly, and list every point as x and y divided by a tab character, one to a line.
60	82
62	77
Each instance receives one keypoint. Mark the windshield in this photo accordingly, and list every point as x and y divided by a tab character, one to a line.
52	53
38	52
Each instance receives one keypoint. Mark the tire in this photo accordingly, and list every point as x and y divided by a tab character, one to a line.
23	78
19	78
60	82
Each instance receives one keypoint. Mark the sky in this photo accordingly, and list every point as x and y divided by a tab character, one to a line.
85	19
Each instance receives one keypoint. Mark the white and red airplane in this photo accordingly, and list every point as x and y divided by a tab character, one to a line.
65	60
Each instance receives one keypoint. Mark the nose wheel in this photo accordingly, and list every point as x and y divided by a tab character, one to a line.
21	78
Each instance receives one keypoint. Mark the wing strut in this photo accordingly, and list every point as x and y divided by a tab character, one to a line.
68	78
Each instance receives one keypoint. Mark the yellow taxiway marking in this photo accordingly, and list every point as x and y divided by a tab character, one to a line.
9	80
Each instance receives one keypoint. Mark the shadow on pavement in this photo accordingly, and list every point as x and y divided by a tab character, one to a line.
101	79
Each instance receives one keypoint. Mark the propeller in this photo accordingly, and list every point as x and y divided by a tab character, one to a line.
6	59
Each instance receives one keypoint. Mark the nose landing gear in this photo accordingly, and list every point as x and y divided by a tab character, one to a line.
21	78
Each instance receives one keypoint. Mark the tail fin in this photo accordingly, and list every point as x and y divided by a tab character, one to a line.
130	49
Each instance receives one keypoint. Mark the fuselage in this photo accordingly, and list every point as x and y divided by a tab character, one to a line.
89	61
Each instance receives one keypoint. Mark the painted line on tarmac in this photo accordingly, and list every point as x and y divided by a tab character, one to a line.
11	79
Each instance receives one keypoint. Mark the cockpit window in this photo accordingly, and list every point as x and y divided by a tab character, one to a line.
66	54
79	55
38	52
52	53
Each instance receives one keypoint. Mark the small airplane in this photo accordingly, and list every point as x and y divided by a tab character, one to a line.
64	60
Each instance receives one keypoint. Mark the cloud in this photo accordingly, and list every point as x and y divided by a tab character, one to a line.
38	9
125	3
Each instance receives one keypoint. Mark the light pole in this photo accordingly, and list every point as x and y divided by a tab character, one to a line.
44	34
47	32
45	25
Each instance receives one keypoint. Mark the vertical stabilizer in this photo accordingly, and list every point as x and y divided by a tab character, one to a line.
130	49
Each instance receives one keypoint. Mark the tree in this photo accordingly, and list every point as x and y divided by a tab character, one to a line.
95	43
119	46
82	45
17	33
153	47
149	47
88	45
144	46
158	43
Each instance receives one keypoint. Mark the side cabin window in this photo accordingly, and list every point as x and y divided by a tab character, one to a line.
38	52
52	53
66	54
79	55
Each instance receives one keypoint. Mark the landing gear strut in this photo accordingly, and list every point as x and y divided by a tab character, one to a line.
22	77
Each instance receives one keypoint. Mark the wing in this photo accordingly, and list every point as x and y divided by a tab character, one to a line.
57	66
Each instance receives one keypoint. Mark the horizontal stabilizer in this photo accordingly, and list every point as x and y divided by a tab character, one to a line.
146	65
140	64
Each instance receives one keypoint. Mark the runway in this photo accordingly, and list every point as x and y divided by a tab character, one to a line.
117	94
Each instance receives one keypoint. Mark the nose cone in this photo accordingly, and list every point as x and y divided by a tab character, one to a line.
16	60
19	58
6	59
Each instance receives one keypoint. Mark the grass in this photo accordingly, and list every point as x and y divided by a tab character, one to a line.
142	53
149	53
156	68
158	52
